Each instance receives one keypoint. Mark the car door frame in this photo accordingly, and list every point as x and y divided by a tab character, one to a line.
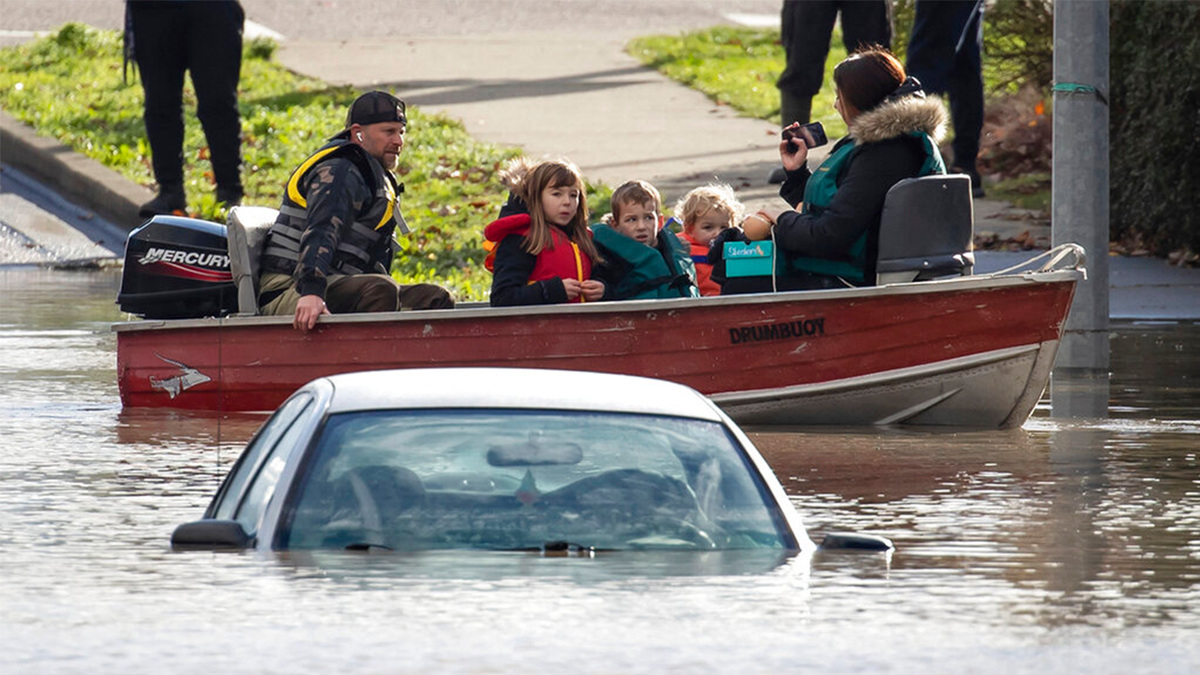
268	524
310	417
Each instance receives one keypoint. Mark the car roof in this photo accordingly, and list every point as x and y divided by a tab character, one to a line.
521	388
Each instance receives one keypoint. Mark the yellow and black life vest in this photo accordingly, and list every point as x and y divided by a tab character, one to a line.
366	245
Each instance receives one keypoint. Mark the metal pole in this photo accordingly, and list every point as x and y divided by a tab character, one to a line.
1079	196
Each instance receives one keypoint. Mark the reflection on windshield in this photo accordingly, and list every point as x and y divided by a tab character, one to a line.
528	480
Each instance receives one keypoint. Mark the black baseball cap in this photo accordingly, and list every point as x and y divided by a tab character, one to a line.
374	107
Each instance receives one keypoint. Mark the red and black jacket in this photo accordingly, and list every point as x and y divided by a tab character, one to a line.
521	278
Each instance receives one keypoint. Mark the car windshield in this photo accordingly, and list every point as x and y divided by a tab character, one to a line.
517	480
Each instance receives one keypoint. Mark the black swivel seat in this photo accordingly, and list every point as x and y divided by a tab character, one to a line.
926	230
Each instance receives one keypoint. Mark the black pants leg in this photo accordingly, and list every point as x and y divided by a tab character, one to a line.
866	22
966	96
944	54
214	58
158	32
805	28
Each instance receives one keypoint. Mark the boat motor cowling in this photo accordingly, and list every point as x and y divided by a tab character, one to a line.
177	268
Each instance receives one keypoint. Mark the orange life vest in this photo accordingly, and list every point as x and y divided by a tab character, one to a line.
699	253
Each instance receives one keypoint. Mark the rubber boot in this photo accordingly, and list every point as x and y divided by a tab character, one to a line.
230	196
171	201
794	108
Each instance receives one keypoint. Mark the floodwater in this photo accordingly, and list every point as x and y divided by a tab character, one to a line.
1067	546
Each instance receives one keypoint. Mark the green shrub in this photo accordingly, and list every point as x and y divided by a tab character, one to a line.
262	48
1154	124
1018	45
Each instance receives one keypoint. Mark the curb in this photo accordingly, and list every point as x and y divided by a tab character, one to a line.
80	179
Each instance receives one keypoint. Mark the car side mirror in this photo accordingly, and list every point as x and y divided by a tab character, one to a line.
210	534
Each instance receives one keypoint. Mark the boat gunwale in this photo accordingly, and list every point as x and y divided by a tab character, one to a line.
937	286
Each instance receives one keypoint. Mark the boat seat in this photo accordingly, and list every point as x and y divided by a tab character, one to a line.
245	230
926	230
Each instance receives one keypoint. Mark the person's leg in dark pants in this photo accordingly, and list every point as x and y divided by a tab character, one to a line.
865	23
381	293
362	293
932	44
805	29
214	58
965	88
944	54
158	38
425	296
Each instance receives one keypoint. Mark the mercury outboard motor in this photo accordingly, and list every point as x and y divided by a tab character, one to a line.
177	268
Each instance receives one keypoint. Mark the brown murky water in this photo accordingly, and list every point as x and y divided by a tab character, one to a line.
1071	545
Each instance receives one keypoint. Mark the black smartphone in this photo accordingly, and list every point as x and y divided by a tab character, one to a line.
814	129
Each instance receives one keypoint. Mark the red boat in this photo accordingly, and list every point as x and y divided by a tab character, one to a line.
968	351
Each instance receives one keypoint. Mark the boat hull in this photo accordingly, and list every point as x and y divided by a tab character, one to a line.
974	351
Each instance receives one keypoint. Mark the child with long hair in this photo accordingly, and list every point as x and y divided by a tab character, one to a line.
541	251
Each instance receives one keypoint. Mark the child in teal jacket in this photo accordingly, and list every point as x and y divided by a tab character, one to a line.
641	258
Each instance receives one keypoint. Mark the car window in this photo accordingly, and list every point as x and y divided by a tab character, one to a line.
263	485
524	480
265	440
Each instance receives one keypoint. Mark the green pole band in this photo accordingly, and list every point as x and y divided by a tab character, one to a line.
1076	88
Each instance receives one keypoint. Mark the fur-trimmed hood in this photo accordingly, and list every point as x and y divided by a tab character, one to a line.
512	176
895	118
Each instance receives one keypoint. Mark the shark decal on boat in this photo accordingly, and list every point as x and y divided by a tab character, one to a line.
186	379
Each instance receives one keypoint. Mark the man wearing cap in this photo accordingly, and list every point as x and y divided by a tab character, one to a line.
331	248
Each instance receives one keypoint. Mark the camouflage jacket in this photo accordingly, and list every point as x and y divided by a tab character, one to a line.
339	215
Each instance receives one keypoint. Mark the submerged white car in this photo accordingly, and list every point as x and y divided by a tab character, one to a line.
501	459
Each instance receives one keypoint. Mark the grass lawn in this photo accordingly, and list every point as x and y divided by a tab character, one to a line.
1031	191
69	86
738	67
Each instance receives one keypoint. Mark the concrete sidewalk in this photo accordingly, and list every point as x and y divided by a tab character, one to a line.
554	94
38	227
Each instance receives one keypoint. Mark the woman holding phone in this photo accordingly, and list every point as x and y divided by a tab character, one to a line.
830	240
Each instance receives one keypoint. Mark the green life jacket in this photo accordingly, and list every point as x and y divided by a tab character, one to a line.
819	193
666	271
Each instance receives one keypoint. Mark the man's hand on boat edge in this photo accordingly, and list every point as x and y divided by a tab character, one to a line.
308	308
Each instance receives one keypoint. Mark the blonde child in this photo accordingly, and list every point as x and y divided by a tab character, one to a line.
704	213
541	249
641	259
